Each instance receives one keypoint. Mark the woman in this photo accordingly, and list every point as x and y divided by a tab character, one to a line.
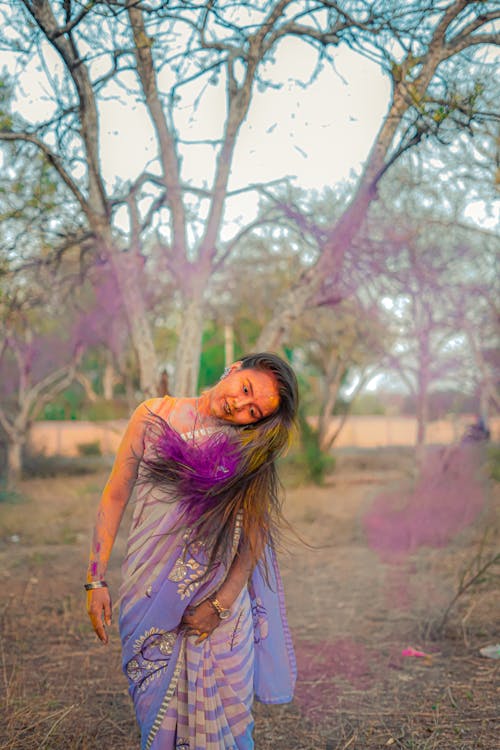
202	616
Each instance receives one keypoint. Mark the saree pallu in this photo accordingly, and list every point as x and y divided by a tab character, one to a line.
188	696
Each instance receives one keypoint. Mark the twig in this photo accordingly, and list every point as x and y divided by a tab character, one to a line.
54	725
350	741
42	720
452	699
465	584
116	726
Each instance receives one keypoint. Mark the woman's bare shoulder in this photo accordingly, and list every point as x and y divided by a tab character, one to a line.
160	406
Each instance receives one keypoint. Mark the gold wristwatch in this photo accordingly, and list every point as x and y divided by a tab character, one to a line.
221	611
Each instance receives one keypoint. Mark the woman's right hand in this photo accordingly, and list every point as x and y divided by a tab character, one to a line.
99	610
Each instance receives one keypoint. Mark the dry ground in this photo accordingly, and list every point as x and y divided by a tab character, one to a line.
351	614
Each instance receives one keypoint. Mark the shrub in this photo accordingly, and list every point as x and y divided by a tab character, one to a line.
102	410
89	449
316	461
493	459
10	496
42	466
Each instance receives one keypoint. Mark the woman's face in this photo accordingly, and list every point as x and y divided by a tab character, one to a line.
244	396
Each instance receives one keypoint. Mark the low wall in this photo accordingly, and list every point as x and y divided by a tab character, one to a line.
63	438
371	432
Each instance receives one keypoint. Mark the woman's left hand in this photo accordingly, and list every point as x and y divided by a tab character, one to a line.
201	621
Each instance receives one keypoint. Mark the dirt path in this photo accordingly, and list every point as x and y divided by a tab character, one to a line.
351	612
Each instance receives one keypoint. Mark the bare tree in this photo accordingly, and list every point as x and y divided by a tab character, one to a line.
217	43
53	307
430	275
69	141
476	315
36	364
332	347
105	47
436	59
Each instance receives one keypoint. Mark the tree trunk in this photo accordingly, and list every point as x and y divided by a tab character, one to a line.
130	392
108	381
341	236
187	359
422	406
328	440
331	388
328	445
86	384
303	292
128	272
14	461
421	430
288	309
421	422
228	344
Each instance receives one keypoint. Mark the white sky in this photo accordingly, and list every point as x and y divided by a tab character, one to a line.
320	134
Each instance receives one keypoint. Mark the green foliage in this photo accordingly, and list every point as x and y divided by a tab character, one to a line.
90	449
73	404
10	496
102	410
316	462
42	466
367	403
212	356
66	405
53	411
212	360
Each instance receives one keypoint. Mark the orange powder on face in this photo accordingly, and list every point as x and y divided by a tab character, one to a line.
273	401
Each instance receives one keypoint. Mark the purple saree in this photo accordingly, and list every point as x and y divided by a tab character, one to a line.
188	696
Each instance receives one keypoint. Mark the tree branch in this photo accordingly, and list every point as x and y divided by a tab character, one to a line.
221	259
42	13
169	159
52	158
59	379
481	20
297	29
7	425
462	42
70	25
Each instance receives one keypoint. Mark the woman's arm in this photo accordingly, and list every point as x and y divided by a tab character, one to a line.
241	570
204	617
114	499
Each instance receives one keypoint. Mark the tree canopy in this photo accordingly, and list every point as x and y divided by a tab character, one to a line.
173	60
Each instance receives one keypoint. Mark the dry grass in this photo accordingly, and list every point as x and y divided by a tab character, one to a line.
351	614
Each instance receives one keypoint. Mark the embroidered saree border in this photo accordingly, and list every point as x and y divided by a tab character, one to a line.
175	676
167	697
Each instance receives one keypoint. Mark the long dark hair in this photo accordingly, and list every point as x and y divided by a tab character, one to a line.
248	491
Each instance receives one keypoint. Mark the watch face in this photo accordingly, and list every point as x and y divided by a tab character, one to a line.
224	614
